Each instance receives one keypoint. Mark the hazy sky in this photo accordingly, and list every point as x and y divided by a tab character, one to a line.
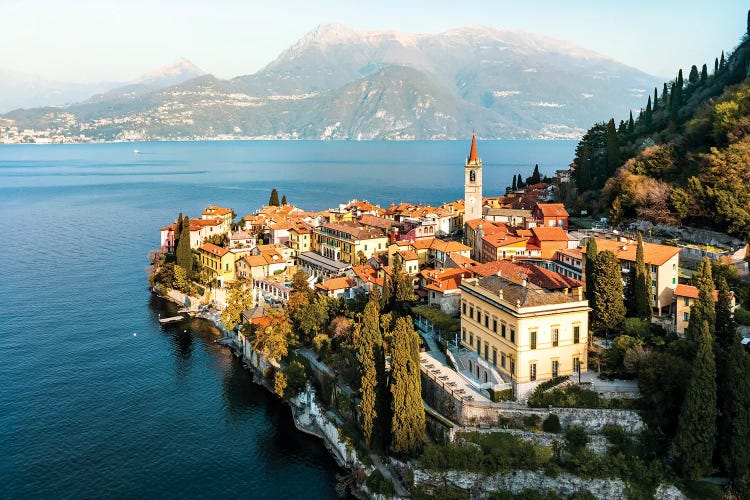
98	40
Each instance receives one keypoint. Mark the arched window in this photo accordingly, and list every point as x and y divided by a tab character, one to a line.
472	176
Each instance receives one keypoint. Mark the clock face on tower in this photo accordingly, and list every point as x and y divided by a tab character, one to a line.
471	199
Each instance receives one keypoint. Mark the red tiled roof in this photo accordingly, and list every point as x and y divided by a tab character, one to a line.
653	253
692	292
336	284
552	209
214	249
473	156
550	233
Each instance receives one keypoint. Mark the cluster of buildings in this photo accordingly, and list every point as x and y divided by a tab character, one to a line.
507	266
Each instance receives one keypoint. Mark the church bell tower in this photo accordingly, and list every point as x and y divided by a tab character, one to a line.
473	183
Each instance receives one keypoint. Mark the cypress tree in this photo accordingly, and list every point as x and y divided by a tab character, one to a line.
608	309
513	186
535	176
647	113
283	200
694	75
386	298
656	100
631	123
590	275
665	95
369	344
629	294
703	308
739	418
704	73
177	232
408	424
520	184
722	62
726	336
696	431
184	255
747	31
675	102
273	201
613	148
716	65
641	285
622	129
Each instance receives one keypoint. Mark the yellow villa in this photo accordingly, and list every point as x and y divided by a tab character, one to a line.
527	333
219	261
343	242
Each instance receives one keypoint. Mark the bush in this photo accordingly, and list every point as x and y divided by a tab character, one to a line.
498	396
576	439
617	436
531	421
742	316
377	483
551	424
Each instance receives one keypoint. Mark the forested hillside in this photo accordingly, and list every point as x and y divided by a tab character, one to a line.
684	159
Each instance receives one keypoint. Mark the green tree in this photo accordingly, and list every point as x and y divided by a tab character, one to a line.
177	232
739	418
631	123
312	317
387	297
726	336
642	284
408	423
590	270
613	148
272	341
647	115
273	201
665	95
696	431
703	308
608	308
369	346
239	299
513	186
184	254
656	101
704	73
716	66
722	62
283	200
536	177
694	75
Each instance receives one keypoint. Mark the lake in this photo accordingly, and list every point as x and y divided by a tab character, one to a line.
96	398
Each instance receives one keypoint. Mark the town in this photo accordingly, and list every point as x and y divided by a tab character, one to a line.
494	313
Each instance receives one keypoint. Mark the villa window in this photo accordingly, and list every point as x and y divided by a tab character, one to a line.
555	337
486	351
471	339
502	330
576	334
471	312
686	316
494	325
463	334
533	339
502	360
486	321
512	335
494	356
479	346
463	308
532	371
555	367
654	269
687	301
512	367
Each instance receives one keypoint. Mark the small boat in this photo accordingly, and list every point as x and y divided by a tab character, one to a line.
136	151
171	319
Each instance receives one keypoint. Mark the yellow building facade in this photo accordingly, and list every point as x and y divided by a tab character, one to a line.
218	261
344	242
529	334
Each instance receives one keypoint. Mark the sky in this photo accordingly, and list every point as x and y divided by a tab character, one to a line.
105	40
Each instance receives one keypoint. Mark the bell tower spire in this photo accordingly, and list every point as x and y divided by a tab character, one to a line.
473	183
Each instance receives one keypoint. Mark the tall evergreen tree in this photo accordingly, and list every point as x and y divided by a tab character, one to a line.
747	31
369	344
520	184
590	276
386	298
694	75
675	100
648	112
726	336
739	418
716	66
613	148
513	186
665	95
177	232
704	73
536	178
408	424
696	431
283	200
703	308
273	201
722	62
183	254
608	308
631	123
622	128
641	285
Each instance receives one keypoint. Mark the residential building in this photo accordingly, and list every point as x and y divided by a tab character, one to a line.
348	242
219	261
684	298
550	215
343	287
548	240
527	333
662	263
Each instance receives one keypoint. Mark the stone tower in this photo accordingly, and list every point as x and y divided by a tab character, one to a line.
473	184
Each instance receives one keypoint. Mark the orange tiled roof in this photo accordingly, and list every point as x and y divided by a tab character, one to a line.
653	253
214	210
692	292
214	249
550	233
552	209
473	156
409	255
336	284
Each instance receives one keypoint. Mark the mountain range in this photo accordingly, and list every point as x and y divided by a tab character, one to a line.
338	83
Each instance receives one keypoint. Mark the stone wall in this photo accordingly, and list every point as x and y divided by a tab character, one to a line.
480	485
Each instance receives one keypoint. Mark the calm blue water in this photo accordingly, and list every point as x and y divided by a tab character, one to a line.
87	408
